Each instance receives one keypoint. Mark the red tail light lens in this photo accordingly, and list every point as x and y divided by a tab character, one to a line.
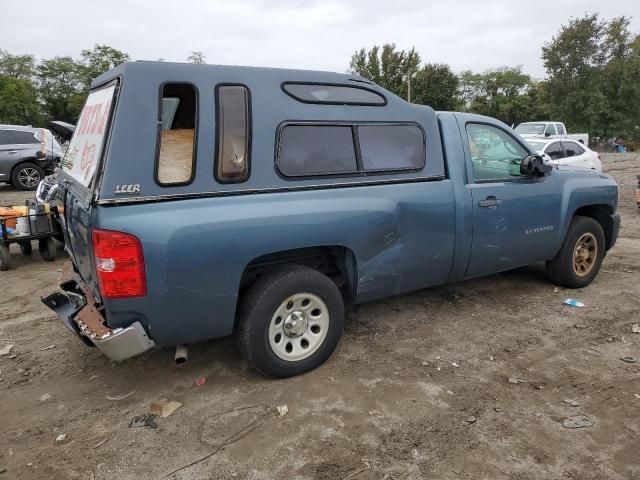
119	264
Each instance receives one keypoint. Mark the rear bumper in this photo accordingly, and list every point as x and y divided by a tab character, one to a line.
75	306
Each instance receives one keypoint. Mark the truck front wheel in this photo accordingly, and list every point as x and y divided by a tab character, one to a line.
290	321
580	257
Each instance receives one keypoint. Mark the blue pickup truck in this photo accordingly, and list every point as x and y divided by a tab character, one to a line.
203	201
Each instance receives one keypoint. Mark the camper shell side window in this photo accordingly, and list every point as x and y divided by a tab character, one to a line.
333	94
177	127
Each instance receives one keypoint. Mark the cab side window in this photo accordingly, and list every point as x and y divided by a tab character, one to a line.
495	155
555	151
551	129
561	129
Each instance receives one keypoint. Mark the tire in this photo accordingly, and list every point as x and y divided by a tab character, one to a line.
316	317
5	258
26	248
48	249
578	272
26	176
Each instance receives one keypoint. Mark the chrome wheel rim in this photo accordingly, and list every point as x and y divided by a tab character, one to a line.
29	177
584	254
298	327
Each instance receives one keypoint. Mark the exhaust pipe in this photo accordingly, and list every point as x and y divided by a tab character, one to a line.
181	354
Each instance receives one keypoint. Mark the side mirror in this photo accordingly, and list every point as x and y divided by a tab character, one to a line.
40	155
534	166
547	134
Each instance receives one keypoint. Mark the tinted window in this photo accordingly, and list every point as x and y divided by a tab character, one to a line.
177	134
333	94
316	149
4	137
232	163
495	155
169	108
573	149
560	129
555	151
19	137
389	147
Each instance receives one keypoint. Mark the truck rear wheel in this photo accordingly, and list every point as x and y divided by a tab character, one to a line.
580	257
290	321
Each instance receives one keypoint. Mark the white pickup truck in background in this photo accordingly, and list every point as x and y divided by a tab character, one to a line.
549	130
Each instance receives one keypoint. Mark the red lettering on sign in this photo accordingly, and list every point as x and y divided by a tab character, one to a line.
105	117
88	152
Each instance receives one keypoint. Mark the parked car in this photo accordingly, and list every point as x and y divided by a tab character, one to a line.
204	201
567	152
544	130
26	155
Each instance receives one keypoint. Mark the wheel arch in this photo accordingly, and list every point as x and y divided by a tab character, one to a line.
601	213
338	262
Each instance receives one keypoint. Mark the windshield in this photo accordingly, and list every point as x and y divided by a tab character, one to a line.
539	146
531	128
85	149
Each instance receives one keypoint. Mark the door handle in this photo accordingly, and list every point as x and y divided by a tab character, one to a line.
490	202
12	151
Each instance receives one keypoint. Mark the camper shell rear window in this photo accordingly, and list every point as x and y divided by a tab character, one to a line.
86	147
333	94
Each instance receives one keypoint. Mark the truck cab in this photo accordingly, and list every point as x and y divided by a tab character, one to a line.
204	201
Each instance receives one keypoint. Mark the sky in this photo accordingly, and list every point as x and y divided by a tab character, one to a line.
309	34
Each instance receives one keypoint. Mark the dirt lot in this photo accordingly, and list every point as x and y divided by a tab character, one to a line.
418	388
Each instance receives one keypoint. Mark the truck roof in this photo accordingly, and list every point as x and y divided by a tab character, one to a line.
172	69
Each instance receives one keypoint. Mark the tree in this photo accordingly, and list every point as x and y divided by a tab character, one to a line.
99	60
505	93
18	94
588	65
21	67
61	88
437	86
387	67
197	57
19	102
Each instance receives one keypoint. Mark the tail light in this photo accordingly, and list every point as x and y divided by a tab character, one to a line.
119	264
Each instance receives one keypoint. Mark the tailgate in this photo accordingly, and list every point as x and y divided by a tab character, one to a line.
77	179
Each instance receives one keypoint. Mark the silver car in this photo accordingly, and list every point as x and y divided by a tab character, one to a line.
27	154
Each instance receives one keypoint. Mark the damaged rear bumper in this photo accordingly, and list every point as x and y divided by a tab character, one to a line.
76	308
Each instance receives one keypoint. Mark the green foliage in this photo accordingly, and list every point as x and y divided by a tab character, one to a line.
592	65
19	102
507	94
99	60
21	67
435	85
18	94
387	67
61	82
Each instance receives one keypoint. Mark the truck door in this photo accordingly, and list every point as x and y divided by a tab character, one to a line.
515	218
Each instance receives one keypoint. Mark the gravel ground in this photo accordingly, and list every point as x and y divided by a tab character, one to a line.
418	388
